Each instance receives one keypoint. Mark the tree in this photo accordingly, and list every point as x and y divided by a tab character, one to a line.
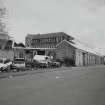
15	44
21	45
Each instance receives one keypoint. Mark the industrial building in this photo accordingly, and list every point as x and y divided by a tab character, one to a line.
45	44
61	45
49	40
82	55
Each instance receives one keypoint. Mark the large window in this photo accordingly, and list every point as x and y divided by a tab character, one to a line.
41	52
21	55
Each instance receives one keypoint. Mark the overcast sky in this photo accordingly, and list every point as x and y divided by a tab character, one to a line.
82	19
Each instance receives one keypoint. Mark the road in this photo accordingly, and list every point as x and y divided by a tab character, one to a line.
77	86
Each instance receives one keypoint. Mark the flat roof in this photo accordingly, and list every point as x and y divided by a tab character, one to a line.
29	48
48	35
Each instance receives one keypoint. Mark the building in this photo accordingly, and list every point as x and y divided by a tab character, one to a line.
49	40
6	43
65	50
5	40
45	44
85	56
79	54
19	52
62	46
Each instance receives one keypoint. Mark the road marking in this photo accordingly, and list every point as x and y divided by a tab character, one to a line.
59	77
10	77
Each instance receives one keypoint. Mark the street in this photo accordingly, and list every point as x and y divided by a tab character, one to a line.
75	86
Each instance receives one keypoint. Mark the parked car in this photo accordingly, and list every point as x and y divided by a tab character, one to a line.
5	64
18	64
40	61
54	64
40	64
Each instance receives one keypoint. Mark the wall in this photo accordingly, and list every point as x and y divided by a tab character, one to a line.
65	50
78	57
7	54
19	53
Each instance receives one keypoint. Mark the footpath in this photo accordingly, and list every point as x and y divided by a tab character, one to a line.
22	73
34	71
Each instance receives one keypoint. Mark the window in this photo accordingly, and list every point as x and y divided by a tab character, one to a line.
21	55
41	52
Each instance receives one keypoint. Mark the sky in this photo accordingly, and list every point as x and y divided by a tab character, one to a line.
82	19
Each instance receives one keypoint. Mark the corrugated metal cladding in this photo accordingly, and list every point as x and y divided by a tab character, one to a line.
82	58
79	57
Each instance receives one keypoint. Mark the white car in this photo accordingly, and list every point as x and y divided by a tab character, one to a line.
41	60
5	64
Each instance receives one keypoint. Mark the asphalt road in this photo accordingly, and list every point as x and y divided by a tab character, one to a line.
79	86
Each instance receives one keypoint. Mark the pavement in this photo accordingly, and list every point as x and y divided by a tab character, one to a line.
30	71
66	86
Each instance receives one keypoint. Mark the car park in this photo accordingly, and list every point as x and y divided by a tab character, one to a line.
5	65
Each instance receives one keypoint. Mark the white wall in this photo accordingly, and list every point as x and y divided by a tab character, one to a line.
79	58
